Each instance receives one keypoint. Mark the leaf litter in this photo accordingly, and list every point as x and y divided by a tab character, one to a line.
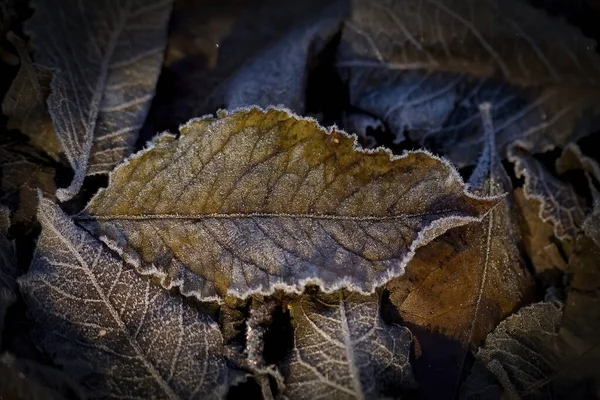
192	273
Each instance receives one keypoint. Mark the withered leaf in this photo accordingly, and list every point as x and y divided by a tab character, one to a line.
572	158
258	200
545	251
343	350
117	332
559	203
107	57
518	357
581	322
262	55
25	102
465	282
22	172
422	67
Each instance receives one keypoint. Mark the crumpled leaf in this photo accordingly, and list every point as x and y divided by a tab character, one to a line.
25	102
22	172
572	158
518	356
25	379
422	67
543	248
107	57
465	282
343	350
581	322
245	54
545	350
559	203
106	325
258	200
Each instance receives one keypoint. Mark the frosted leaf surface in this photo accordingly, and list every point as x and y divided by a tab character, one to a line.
107	56
343	350
462	284
257	200
106	325
422	67
518	357
559	204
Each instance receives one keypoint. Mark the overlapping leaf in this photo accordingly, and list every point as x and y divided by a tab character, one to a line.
518	357
422	67
22	172
257	54
343	350
256	200
25	102
466	281
106	325
559	203
107	57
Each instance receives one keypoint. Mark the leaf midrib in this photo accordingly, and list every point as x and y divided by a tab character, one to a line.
151	369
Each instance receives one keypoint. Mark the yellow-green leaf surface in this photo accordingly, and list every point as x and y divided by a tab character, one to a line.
256	200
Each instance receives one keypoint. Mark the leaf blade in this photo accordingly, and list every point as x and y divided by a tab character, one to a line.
115	46
269	180
123	329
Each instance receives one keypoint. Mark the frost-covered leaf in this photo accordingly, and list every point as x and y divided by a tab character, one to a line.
545	251
107	56
343	349
518	357
120	334
22	172
231	54
257	200
278	76
591	224
572	158
559	203
422	67
466	281
25	102
28	380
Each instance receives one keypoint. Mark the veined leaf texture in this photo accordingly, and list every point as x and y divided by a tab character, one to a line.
106	56
256	200
117	332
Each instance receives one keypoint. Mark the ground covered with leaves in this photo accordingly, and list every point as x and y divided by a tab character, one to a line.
358	199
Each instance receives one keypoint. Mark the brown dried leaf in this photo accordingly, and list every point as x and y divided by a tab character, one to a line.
465	282
22	172
559	203
25	102
547	351
422	67
257	200
542	247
